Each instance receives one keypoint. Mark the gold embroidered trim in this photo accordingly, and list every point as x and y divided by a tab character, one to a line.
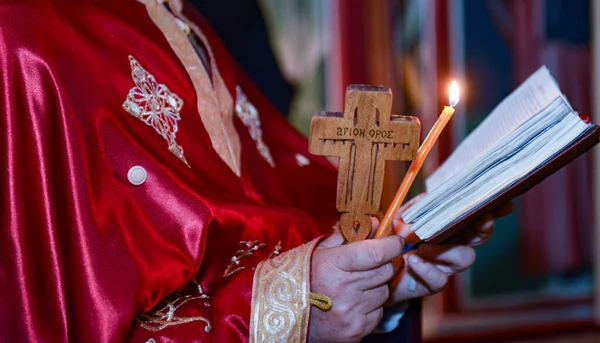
165	314
249	116
280	297
153	103
251	247
214	103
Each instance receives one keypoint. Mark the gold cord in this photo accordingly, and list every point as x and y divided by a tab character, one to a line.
321	301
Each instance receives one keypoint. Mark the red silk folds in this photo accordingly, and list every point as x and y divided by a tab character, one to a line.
82	250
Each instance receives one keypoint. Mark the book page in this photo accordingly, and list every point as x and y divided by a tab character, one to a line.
499	153
502	175
532	96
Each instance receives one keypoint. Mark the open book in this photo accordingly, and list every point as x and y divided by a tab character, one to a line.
531	134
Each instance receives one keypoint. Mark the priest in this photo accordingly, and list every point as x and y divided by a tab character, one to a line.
150	193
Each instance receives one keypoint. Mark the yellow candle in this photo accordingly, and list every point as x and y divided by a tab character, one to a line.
385	226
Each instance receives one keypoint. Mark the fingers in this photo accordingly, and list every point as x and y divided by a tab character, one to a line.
428	269
400	227
485	229
433	278
375	298
406	287
477	235
379	276
373	318
505	210
374	226
449	259
369	254
335	240
409	204
358	328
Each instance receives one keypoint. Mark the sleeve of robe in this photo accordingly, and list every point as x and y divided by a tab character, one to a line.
83	250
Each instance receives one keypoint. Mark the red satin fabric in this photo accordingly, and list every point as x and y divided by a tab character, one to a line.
82	250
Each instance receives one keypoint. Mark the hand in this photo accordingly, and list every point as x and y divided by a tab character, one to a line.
355	276
426	271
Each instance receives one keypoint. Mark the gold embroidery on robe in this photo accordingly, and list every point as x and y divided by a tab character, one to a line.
165	313
281	297
276	250
214	103
234	267
154	104
249	116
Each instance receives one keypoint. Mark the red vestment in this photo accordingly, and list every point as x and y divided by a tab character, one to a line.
82	249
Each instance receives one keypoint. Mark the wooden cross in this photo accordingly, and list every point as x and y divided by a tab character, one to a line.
364	137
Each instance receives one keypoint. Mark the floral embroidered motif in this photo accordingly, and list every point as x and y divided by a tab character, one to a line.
155	105
164	314
251	247
249	116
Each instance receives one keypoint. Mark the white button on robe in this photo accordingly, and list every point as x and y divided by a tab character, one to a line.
302	160
137	175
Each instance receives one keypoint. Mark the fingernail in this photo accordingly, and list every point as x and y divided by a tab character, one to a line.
486	221
476	240
412	284
413	259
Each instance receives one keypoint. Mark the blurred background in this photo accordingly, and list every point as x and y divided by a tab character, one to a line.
534	281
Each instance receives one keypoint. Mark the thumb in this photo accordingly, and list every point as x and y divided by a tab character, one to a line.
335	240
374	226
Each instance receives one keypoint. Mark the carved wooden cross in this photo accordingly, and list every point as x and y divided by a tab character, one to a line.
364	137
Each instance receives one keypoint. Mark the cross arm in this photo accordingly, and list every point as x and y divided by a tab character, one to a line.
325	126
402	140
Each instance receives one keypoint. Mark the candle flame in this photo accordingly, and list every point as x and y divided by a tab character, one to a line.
454	94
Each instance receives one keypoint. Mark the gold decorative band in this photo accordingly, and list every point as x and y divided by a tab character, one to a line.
281	297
